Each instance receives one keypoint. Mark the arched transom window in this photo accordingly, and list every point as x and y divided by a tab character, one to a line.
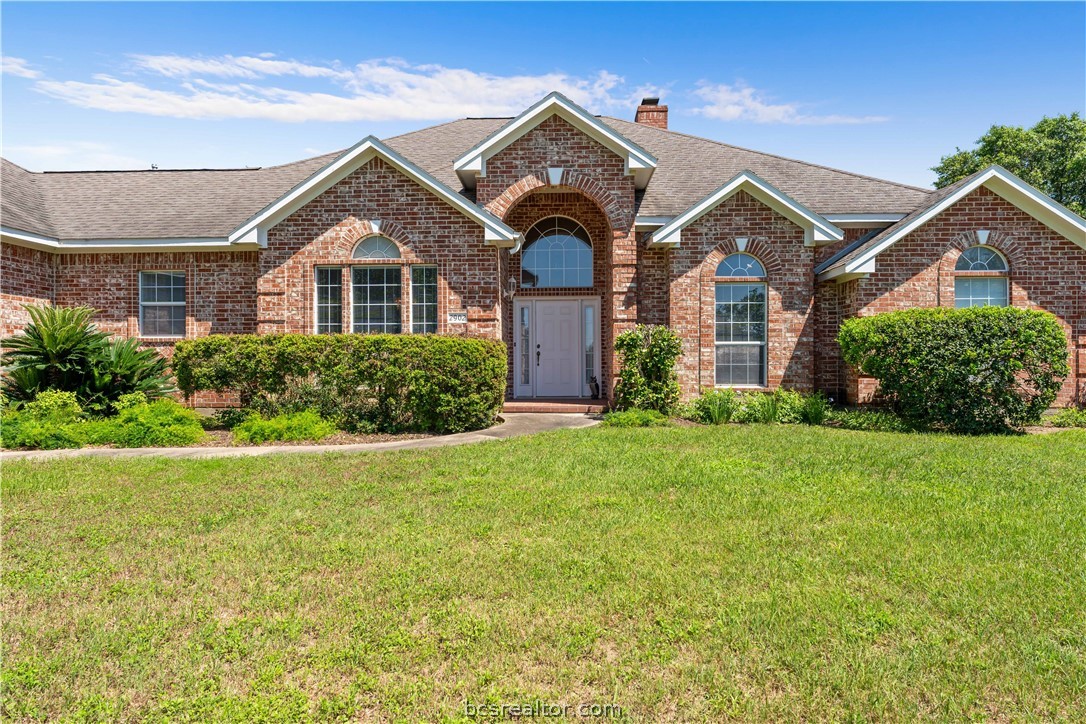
557	253
376	247
741	322
981	278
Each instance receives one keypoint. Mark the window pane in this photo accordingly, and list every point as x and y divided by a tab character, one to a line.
741	329
980	292
740	364
376	295
740	265
557	253
424	299
329	300
162	304
525	345
589	343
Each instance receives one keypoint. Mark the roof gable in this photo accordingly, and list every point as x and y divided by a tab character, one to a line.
256	227
639	162
998	180
815	228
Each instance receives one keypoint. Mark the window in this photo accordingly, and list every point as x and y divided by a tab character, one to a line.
557	253
981	279
741	323
329	300
375	299
162	304
424	299
376	247
589	343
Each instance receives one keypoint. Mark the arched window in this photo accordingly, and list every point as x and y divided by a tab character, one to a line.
557	253
741	321
981	278
740	265
376	247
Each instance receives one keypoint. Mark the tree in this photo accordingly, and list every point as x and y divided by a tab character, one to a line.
1051	156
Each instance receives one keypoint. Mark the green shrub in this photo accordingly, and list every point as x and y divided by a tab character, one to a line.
977	370
229	418
815	409
294	426
1069	417
759	407
162	423
647	378
635	418
130	399
56	405
716	407
51	421
388	382
789	406
61	349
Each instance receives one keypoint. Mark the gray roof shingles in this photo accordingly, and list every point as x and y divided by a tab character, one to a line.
212	203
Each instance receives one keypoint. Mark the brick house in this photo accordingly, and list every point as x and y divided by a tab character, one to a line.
553	231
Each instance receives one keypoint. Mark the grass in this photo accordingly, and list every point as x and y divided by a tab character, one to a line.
743	572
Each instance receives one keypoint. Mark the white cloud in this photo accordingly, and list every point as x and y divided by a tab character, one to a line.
17	67
740	102
386	89
72	156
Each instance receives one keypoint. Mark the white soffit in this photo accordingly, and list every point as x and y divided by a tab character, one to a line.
496	232
639	162
816	229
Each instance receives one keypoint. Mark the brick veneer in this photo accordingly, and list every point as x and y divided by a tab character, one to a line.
778	244
27	276
1047	272
427	230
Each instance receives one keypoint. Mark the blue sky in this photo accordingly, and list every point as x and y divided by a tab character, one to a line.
881	89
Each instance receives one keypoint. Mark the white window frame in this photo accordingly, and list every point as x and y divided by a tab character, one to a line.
184	304
764	344
377	266
316	299
411	298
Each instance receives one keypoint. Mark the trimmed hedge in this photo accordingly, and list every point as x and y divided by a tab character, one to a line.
389	382
977	370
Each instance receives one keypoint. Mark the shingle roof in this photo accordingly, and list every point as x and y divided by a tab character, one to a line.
212	203
864	243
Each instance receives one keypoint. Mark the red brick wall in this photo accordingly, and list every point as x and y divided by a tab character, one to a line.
1047	272
27	276
652	283
778	244
427	230
592	171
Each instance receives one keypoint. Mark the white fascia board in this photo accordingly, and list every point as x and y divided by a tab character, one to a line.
1003	183
76	246
639	162
839	274
846	221
648	223
815	228
255	229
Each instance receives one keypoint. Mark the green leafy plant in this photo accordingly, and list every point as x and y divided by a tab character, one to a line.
716	407
977	370
49	422
229	418
161	423
635	418
789	406
815	409
647	378
388	382
294	426
759	407
870	420
61	349
1069	417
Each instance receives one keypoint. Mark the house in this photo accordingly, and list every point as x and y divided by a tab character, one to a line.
553	231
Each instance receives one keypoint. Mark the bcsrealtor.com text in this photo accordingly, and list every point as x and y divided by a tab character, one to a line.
542	709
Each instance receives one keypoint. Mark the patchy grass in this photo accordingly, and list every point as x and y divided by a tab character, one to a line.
747	572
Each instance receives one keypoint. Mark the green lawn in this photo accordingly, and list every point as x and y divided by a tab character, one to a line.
766	573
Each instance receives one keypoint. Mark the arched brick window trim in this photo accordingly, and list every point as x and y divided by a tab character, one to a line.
756	247
1002	241
361	229
585	185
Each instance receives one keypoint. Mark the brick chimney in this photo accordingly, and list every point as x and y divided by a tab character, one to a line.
651	113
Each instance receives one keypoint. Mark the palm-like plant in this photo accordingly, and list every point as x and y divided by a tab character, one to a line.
62	349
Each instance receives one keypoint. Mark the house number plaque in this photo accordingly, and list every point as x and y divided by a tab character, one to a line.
458	317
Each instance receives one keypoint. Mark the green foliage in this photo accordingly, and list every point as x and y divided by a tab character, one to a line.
815	409
977	370
230	417
293	426
49	422
635	417
759	407
61	349
716	407
162	423
387	382
1069	417
56	405
789	406
868	419
1051	156
128	400
647	378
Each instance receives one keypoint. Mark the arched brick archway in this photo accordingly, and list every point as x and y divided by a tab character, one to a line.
617	217
756	247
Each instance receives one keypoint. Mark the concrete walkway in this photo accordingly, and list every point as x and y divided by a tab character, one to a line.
513	425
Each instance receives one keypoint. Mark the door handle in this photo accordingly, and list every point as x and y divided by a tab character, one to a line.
537	358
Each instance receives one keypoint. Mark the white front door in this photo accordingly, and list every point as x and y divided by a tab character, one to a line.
558	343
554	338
